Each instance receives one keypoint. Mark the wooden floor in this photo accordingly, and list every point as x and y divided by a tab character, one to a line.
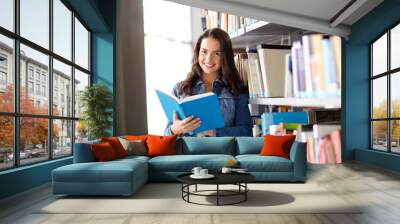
377	188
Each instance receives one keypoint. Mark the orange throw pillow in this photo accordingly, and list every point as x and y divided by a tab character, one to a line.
136	137
103	152
275	145
116	145
161	145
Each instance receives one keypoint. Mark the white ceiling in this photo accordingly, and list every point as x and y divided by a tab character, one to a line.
313	15
321	9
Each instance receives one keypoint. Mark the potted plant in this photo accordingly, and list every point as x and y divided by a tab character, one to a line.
96	102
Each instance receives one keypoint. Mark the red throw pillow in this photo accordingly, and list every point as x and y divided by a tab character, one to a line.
116	145
103	152
275	145
161	145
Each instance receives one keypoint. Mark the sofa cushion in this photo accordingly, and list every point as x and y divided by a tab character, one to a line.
207	145
257	163
83	152
185	163
249	145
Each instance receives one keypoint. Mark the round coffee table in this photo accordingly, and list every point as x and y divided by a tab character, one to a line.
238	179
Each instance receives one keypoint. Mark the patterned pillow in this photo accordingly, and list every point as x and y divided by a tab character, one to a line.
133	147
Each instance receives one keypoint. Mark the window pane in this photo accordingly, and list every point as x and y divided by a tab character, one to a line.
62	89
379	55
35	21
379	97
34	97
81	45
7	14
395	138
81	131
62	29
33	140
379	135
6	74
395	47
395	95
6	142
81	81
62	138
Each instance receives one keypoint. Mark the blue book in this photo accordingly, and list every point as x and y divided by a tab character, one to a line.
204	106
268	119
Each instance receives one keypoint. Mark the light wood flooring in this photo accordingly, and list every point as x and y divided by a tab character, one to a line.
377	188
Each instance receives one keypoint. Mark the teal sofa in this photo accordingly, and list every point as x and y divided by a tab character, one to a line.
125	176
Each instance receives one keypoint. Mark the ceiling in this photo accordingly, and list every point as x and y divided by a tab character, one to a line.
324	16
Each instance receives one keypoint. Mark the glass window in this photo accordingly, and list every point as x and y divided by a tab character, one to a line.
395	136
81	81
379	135
30	87
381	119
40	62
6	142
395	47
6	84
62	29
33	140
7	14
379	98
35	21
62	138
81	131
395	95
379	56
81	45
62	72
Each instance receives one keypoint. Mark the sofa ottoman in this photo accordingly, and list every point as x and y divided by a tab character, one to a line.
119	177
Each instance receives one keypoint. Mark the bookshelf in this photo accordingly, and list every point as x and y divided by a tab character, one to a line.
264	32
326	103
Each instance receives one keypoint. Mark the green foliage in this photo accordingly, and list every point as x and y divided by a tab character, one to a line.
96	102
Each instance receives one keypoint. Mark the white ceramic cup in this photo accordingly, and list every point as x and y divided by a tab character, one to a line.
196	170
203	172
226	170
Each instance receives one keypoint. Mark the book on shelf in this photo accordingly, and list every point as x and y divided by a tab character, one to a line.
273	68
276	118
256	86
317	66
232	24
204	106
323	143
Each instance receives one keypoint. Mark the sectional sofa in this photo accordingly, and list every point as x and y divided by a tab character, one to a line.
125	176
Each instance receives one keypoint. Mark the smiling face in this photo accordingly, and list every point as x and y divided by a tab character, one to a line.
210	56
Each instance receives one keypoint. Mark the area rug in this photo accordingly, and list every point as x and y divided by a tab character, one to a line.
166	198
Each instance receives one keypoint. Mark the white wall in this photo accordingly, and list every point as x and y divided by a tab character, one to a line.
168	53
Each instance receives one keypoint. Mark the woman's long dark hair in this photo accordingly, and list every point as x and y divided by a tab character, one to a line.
228	72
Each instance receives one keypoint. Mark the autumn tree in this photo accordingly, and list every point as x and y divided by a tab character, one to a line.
33	131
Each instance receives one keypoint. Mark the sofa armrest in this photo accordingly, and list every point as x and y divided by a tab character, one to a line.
83	152
298	156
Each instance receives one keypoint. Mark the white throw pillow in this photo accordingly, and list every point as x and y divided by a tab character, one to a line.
134	147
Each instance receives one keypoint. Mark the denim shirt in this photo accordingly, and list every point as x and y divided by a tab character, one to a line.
234	109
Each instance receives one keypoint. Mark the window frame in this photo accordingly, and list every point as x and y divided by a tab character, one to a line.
16	115
388	74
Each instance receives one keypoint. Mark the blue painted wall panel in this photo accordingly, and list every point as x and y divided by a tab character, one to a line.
356	79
